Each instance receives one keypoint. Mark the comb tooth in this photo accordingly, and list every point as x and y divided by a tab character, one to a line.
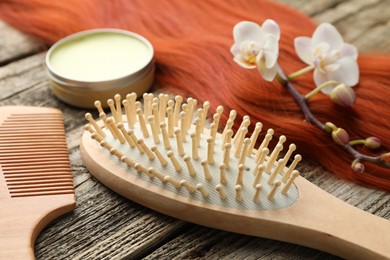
163	127
131	99
244	151
105	145
290	181
187	186
128	138
111	105
89	129
286	176
261	159
175	162
146	149
272	158
200	187
197	131
163	105
179	100
118	108
116	153
156	114
43	193
25	168
170	121
276	171
221	192
254	137
240	175
97	137
98	106
194	146
238	189
186	119
23	155
152	123
287	156
256	197
265	142
244	124
191	110
183	116
210	150
222	173
179	142
198	121
190	166
34	171
239	141
272	193
228	127
172	181
206	170
115	129
227	139
25	178
206	106
141	169
213	130
126	105
258	175
103	117
142	123
155	173
37	185
159	156
226	155
128	161
135	140
147	104
44	161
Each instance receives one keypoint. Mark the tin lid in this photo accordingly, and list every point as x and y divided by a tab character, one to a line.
100	59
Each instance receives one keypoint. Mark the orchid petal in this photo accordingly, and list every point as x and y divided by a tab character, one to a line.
247	31
271	27
234	49
320	78
267	73
348	73
349	50
271	51
326	32
303	48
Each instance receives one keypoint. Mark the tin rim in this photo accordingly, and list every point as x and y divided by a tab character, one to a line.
100	84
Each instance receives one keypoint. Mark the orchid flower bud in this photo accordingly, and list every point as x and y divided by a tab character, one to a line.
330	127
343	95
340	136
386	157
372	142
357	166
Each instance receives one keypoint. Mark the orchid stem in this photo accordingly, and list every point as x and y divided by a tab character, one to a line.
300	72
318	89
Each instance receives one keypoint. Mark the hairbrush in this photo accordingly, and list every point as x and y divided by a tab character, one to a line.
35	178
167	155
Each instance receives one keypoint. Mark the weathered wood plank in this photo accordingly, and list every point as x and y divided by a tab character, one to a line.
15	45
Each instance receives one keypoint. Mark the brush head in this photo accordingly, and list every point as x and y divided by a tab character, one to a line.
172	147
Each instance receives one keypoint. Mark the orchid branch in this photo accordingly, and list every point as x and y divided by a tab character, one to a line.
309	116
335	71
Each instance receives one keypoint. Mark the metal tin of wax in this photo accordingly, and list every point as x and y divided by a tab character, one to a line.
97	64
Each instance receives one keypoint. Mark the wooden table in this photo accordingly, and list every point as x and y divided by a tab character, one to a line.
107	226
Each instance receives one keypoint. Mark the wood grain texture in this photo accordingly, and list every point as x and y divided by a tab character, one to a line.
107	226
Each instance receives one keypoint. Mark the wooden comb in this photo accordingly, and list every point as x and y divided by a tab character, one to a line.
158	156
35	176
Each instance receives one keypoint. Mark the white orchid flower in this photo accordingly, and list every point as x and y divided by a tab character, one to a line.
257	46
331	57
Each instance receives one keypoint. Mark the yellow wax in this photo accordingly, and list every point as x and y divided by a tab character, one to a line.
99	57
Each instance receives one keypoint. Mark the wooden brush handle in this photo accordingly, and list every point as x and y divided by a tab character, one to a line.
19	228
